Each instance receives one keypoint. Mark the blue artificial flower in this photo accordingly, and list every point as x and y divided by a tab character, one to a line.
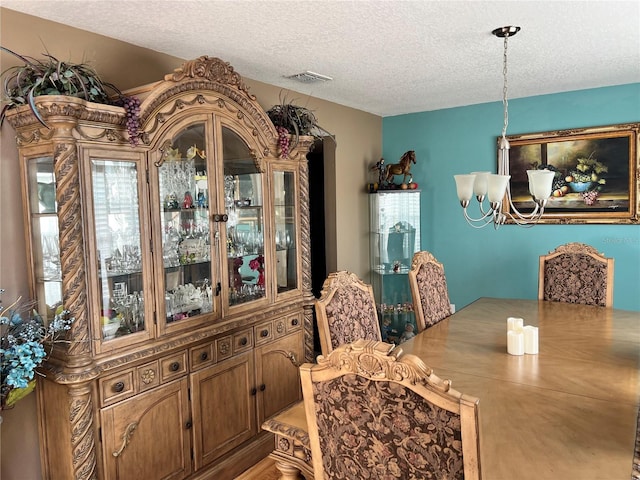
16	319
22	348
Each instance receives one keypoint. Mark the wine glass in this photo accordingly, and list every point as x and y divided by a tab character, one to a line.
51	255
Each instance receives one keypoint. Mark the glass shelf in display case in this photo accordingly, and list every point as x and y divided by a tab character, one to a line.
394	238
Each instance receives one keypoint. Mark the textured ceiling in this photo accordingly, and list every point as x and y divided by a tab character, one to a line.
386	57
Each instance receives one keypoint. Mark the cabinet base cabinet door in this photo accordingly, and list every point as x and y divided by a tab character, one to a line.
148	437
224	406
279	379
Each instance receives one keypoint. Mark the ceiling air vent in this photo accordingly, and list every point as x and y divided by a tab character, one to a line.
309	77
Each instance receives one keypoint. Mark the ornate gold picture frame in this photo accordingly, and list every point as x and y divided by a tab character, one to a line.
597	173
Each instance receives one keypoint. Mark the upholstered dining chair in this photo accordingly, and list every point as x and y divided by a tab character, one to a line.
374	412
346	311
429	290
576	273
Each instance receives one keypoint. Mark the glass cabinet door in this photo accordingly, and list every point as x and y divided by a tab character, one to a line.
394	238
116	206
285	230
243	198
45	238
184	221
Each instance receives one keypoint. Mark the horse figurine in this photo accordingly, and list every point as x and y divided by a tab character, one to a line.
401	168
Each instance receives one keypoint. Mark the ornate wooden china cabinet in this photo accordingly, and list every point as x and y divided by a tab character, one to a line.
185	262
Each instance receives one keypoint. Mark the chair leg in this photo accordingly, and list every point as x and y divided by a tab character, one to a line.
288	471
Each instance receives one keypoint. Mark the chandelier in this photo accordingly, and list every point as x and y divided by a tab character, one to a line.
495	187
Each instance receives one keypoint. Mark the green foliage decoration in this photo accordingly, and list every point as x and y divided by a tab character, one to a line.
50	76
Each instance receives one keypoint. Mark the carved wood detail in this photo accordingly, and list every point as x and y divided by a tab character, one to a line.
82	435
305	232
50	106
211	68
70	231
36	135
151	117
382	361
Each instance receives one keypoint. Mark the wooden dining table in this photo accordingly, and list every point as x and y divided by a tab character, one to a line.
568	412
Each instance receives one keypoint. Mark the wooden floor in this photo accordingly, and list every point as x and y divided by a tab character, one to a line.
263	470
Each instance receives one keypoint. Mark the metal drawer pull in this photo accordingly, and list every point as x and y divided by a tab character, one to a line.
175	366
118	387
264	333
126	437
243	341
263	387
204	356
294	322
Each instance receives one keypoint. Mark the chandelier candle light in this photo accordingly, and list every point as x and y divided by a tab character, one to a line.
496	186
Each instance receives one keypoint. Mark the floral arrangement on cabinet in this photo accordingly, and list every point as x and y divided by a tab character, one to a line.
291	122
50	76
258	264
23	347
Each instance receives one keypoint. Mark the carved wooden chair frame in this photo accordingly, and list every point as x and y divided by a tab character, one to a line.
575	248
379	361
419	260
334	284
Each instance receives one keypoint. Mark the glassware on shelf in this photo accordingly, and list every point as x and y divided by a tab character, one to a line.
229	190
188	300
127	313
177	179
51	256
118	240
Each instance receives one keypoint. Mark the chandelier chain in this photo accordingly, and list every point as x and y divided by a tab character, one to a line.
505	102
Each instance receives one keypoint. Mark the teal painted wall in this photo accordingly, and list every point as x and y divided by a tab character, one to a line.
504	263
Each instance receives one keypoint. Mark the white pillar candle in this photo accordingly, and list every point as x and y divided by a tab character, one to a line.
530	339
515	342
514	323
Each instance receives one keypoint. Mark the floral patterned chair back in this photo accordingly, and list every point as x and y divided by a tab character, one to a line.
373	412
576	273
429	290
346	311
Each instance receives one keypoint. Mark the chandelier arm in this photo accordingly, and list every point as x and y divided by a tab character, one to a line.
481	208
520	218
475	222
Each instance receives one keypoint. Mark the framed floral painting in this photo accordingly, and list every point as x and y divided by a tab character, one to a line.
596	173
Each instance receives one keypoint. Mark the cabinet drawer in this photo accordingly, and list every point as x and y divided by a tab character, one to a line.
242	341
116	387
173	366
279	327
148	376
263	332
294	322
202	355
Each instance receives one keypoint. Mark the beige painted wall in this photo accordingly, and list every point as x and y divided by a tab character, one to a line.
358	134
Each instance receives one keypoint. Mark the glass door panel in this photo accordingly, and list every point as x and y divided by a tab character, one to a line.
45	238
184	219
245	225
285	230
117	225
